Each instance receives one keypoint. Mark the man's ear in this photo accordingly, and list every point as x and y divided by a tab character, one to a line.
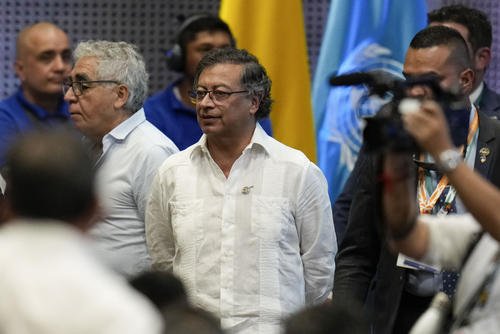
122	93
482	58
255	104
467	81
19	69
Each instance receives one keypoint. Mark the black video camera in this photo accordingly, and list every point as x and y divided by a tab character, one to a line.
385	131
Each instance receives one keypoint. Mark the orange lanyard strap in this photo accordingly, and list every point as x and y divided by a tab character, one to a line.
426	203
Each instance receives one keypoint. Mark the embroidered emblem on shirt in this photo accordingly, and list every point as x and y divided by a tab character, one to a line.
246	190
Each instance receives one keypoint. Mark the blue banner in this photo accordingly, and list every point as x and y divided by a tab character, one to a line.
360	36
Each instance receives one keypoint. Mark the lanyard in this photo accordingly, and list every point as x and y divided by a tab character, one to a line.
426	203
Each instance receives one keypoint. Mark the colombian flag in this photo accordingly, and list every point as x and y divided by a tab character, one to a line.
274	32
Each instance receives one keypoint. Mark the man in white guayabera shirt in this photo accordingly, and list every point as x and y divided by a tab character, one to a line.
242	219
108	86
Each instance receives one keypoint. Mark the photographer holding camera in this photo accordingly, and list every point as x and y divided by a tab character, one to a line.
448	241
395	293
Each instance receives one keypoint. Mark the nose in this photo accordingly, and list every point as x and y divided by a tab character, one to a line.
59	64
70	96
206	100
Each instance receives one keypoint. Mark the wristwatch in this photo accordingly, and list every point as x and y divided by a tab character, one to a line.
449	160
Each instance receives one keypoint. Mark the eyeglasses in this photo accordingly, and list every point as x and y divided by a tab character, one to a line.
79	87
215	95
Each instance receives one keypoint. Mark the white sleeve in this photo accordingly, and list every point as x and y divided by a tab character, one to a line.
159	237
318	243
449	239
146	168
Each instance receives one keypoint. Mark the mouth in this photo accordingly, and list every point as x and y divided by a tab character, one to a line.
57	81
75	113
208	117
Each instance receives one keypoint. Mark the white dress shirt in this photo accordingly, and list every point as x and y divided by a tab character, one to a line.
51	284
252	247
132	153
450	240
474	96
2	184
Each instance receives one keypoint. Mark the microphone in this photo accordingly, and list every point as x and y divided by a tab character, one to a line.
351	79
379	82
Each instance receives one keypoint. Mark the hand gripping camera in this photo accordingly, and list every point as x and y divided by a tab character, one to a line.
385	131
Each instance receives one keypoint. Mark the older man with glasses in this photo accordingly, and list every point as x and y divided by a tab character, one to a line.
105	91
244	220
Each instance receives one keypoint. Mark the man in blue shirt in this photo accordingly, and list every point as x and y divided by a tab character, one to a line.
171	110
43	61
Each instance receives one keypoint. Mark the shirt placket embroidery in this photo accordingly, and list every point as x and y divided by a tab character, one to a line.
228	235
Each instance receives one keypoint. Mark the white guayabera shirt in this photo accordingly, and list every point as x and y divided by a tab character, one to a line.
252	247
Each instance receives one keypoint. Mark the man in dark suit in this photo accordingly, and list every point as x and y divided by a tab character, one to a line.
475	28
366	270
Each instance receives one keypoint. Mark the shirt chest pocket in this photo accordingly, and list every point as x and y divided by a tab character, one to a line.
187	224
271	217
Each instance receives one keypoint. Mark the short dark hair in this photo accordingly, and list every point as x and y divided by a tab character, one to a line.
187	319
197	23
50	176
338	318
476	22
254	77
441	35
162	288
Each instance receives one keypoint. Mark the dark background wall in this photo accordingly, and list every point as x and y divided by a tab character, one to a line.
152	24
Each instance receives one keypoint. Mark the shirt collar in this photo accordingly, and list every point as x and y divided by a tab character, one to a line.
123	129
474	96
260	139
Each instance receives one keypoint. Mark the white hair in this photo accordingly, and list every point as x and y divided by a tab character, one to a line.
120	61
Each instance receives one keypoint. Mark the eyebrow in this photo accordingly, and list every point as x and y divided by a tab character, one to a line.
54	52
213	87
47	52
212	45
81	77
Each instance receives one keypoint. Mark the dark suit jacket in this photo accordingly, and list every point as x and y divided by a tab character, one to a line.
366	270
490	102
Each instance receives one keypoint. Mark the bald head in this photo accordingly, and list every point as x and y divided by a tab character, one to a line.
43	61
29	36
